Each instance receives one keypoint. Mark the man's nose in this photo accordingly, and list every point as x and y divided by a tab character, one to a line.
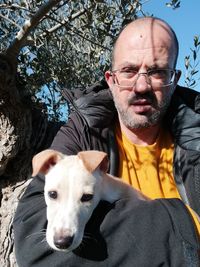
142	83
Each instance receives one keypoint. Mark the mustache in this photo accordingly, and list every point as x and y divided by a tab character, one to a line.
148	96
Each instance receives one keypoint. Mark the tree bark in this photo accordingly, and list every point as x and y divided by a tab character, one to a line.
16	178
10	196
24	131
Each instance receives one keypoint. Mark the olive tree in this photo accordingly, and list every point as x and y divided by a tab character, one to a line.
45	46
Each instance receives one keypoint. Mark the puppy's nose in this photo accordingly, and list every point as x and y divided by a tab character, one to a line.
63	241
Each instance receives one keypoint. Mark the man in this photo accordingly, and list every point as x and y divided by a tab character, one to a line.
152	142
142	83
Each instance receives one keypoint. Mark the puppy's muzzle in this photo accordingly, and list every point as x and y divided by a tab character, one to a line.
63	240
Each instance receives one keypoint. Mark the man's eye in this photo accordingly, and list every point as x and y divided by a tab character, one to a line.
129	70
86	197
129	73
52	194
158	73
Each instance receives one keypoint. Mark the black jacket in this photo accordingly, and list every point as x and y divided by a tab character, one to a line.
126	233
90	127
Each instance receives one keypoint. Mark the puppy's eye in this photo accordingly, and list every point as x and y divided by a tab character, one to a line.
86	197
53	194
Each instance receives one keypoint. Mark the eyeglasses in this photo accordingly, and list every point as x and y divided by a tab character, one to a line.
127	78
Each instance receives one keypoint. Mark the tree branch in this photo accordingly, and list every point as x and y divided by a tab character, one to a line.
14	6
62	23
28	26
9	20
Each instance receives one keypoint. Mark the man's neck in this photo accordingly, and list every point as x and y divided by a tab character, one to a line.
143	137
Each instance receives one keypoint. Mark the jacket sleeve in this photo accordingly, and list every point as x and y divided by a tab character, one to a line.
127	233
69	139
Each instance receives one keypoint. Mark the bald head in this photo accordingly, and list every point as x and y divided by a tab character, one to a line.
145	33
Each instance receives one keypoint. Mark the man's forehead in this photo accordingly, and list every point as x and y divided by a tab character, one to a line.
146	34
141	41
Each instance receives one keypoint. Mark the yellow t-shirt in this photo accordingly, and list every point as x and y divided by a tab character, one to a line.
149	168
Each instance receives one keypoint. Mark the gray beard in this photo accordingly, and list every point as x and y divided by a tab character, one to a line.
147	120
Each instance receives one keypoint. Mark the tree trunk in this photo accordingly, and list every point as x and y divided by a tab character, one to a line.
17	175
24	131
10	195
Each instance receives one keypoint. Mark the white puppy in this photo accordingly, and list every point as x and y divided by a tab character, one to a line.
74	185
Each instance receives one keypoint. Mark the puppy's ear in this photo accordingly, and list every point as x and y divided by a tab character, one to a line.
93	159
44	160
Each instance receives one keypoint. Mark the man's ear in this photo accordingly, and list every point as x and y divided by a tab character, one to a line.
43	161
93	160
177	77
109	79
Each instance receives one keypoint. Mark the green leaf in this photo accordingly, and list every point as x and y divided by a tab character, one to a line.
194	55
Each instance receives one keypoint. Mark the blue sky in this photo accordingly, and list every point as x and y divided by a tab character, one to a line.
185	21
